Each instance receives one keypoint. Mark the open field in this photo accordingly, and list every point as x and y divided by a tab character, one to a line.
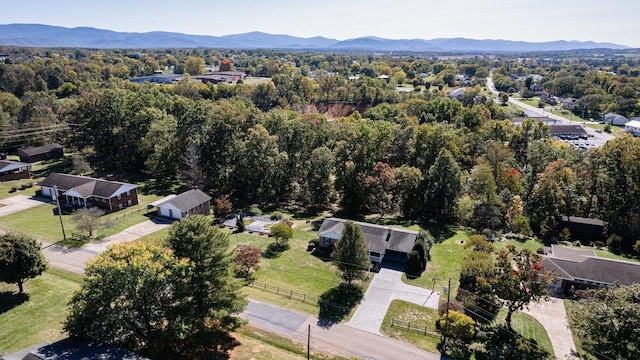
38	316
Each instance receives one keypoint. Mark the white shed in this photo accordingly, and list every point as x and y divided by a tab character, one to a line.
632	127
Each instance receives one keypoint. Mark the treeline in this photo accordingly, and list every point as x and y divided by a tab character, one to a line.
420	154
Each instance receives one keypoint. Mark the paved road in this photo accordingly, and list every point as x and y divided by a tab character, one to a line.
338	339
18	203
598	139
385	287
553	317
74	259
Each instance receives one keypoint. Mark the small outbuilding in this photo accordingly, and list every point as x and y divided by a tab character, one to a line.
189	203
39	153
584	229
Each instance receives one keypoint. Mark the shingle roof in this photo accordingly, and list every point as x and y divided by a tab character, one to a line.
566	129
8	165
584	265
377	237
582	220
30	151
85	186
70	349
187	200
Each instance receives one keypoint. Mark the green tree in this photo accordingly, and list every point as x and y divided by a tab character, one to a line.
20	259
351	254
282	233
608	322
88	219
194	65
444	187
265	96
319	182
519	279
209	298
459	327
127	299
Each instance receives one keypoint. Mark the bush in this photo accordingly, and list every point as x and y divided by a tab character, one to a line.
13	189
454	305
254	210
277	215
599	244
540	250
614	243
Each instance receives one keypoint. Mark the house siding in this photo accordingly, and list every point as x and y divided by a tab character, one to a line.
8	176
51	154
124	200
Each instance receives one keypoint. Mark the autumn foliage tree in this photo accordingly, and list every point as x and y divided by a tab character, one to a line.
226	65
520	278
246	258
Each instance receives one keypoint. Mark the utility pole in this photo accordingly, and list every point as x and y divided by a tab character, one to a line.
446	320
308	341
64	235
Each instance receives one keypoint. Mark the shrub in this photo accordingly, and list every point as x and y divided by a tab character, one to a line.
13	189
240	223
614	242
540	250
254	210
599	244
23	186
277	215
454	305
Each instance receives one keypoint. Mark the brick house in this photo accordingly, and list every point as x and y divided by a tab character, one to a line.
82	191
14	170
45	152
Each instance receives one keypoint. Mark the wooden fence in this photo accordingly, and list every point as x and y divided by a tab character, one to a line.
290	294
408	326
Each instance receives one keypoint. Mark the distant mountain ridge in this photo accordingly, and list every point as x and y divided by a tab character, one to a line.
37	35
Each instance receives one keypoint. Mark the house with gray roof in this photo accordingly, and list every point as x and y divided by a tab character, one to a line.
383	242
82	191
189	203
14	170
583	269
615	119
46	152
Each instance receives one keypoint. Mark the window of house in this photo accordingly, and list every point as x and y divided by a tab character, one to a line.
129	202
120	206
374	254
128	192
119	196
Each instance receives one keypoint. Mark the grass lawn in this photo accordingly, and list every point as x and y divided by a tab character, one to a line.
41	223
528	327
417	315
7	186
23	324
445	264
615	130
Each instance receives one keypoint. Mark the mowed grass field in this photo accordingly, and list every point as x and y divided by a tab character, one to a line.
38	315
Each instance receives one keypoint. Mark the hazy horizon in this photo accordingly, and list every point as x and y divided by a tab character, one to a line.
527	20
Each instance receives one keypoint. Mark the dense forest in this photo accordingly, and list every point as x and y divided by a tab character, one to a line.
334	130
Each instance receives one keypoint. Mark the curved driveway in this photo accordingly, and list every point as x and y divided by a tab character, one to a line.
385	287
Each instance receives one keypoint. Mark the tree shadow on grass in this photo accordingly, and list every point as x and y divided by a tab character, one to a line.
10	299
336	303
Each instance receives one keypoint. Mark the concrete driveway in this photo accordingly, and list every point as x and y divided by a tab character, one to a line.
18	203
553	317
75	259
385	287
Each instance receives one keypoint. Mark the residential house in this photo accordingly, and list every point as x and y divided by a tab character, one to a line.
39	153
568	103
633	127
456	94
69	349
582	269
82	191
615	119
14	170
189	203
584	229
383	242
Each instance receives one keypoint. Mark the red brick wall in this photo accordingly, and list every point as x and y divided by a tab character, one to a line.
124	200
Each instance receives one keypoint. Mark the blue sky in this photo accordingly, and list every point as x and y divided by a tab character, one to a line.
526	20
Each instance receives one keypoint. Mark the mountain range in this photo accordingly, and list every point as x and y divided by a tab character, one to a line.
37	35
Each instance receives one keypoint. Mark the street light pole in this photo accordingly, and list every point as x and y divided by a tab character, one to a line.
64	235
